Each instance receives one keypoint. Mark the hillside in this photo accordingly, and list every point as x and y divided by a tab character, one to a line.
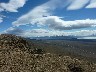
16	55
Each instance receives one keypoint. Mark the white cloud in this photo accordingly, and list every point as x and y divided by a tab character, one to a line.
16	31
43	15
85	33
27	33
45	32
12	5
87	38
77	4
1	19
45	9
57	23
92	4
1	9
38	12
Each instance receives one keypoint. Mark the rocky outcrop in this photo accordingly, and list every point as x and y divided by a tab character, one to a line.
12	40
15	56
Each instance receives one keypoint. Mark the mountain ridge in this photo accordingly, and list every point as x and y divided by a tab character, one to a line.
17	57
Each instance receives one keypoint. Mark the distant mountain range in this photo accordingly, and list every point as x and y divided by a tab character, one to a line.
55	38
69	38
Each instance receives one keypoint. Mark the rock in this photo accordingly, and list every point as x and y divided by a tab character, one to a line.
16	56
12	40
75	68
38	51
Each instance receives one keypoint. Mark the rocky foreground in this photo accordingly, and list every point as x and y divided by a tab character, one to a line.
16	55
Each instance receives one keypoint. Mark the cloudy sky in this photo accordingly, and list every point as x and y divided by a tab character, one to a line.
31	18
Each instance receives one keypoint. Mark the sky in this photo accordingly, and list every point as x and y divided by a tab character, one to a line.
32	18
